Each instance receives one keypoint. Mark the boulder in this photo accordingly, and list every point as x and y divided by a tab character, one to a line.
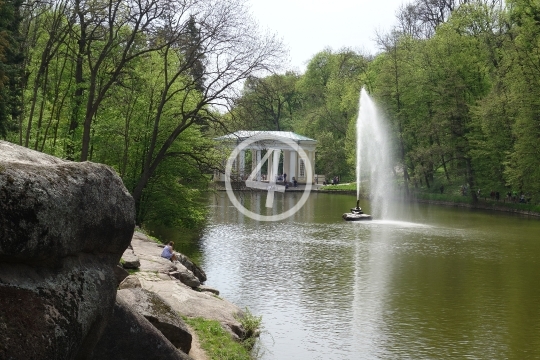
184	275
63	229
130	336
156	310
120	273
209	289
50	208
191	303
129	282
130	260
155	276
191	266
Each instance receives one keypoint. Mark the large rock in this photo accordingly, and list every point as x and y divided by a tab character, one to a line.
150	260
63	228
156	275
191	266
130	260
160	314
120	273
191	303
185	276
130	336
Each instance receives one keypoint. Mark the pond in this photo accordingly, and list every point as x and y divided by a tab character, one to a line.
432	282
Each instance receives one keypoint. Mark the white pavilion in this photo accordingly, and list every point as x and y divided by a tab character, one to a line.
277	142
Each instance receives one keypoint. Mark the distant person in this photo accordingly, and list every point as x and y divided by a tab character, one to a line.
168	252
285	178
294	181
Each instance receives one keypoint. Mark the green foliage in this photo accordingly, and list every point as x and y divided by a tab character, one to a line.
252	326
269	103
141	101
216	342
462	100
340	187
462	96
10	66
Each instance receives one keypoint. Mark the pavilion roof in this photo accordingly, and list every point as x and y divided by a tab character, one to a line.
244	134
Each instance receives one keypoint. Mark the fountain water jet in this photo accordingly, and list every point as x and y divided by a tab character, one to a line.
373	158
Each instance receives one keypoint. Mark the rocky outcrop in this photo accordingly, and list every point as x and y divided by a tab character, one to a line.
120	273
157	275
160	314
129	335
191	266
148	254
185	276
63	229
130	260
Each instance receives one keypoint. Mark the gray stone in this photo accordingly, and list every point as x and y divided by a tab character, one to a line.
130	282
191	303
208	289
130	260
130	336
120	273
154	276
50	209
186	278
156	310
191	266
63	228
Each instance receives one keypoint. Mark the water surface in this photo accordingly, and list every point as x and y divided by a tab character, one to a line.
430	283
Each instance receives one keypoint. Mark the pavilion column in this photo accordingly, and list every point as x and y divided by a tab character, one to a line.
242	164
270	166
259	157
293	165
286	162
275	164
253	164
311	158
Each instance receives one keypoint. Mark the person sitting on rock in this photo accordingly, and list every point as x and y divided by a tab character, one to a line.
168	252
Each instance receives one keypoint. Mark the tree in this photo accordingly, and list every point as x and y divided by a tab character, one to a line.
230	51
523	80
330	90
268	103
10	65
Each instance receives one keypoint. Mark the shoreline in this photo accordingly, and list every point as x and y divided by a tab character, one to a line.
481	205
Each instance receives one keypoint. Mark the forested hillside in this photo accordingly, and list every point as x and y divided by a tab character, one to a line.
145	86
457	80
138	85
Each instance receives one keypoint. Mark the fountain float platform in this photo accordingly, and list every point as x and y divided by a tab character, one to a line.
356	214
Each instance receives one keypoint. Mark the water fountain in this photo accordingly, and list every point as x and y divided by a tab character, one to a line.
373	157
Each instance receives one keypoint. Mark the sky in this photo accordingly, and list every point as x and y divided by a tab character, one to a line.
309	26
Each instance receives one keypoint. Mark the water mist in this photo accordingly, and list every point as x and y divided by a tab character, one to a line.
373	157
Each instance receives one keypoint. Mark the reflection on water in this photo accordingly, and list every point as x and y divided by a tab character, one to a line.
437	282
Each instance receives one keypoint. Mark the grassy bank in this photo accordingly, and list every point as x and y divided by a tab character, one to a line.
451	195
218	343
345	187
